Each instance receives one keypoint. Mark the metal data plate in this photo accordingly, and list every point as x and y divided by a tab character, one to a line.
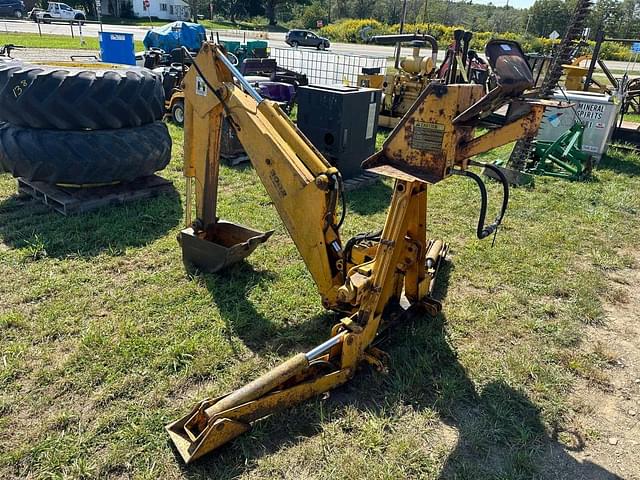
427	137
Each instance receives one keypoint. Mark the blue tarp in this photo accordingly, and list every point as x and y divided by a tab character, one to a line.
176	35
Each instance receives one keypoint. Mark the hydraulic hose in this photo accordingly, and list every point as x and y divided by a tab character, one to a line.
505	192
211	87
346	252
343	201
483	231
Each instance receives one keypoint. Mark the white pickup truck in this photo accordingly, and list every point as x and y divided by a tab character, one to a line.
59	11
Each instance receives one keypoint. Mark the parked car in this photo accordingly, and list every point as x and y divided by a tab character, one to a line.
12	8
305	38
59	11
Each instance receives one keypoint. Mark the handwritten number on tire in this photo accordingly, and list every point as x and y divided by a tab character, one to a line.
17	90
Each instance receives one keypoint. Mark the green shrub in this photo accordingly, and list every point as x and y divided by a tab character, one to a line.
308	15
614	51
350	31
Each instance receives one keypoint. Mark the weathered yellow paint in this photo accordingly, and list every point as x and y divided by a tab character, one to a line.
299	180
294	173
423	145
524	126
426	144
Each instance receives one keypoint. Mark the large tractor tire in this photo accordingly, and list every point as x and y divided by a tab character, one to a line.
84	157
68	97
7	66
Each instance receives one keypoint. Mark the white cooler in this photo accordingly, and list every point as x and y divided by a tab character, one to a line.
598	110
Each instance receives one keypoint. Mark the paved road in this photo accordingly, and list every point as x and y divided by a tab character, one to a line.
25	26
275	39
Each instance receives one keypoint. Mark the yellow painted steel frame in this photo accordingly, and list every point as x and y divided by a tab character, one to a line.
296	177
575	74
294	173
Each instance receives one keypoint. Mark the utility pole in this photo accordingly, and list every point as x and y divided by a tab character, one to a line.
404	14
425	15
399	46
526	28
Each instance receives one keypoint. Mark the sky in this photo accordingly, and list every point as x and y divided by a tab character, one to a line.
512	3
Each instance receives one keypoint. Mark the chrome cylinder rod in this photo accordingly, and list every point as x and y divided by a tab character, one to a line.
323	347
243	81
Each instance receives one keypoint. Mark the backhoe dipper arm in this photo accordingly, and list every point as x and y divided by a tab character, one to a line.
303	186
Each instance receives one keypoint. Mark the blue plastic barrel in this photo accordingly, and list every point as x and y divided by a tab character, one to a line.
117	48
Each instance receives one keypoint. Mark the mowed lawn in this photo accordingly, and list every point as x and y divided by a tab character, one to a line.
104	338
36	41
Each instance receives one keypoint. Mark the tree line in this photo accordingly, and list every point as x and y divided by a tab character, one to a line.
620	18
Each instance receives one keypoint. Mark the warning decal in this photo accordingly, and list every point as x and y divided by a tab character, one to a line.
427	136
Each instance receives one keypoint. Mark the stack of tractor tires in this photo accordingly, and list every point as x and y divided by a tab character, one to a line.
81	125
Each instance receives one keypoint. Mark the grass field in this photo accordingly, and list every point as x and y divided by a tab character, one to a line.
105	339
632	117
33	40
210	24
143	21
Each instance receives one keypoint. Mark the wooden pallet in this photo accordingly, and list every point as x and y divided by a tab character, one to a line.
70	200
360	181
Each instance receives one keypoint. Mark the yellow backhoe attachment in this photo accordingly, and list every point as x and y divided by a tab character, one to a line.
368	276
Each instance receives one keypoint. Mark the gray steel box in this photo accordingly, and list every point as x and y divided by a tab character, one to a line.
341	122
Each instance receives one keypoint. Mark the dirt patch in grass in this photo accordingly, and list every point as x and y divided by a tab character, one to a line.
604	430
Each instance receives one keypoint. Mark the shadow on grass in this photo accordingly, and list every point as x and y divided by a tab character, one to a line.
27	223
369	199
229	292
500	431
620	161
241	166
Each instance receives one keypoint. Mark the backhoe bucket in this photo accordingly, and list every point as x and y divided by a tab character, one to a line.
213	436
211	423
220	245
